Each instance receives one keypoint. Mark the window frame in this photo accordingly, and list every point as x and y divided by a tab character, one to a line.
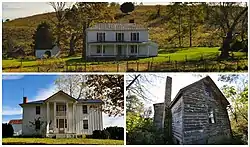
135	36
83	112
133	49
37	125
119	37
85	124
100	37
38	109
211	116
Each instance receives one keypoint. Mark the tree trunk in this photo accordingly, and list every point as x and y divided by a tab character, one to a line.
179	30
226	45
72	45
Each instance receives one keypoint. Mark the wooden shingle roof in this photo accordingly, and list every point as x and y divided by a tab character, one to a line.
117	26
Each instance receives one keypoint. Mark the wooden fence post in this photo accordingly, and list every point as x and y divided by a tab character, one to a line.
127	66
137	66
168	58
85	66
186	58
148	65
151	66
117	67
176	65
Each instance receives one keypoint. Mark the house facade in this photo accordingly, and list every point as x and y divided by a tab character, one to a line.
199	114
17	126
61	115
119	40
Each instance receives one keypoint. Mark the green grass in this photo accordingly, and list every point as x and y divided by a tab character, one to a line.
176	54
62	141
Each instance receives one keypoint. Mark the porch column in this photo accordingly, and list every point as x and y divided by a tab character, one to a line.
127	50
48	120
67	110
54	117
114	50
73	119
89	50
137	49
102	50
148	51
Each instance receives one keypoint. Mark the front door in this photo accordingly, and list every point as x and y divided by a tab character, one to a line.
61	125
119	50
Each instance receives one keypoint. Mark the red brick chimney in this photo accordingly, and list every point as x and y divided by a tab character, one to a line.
25	100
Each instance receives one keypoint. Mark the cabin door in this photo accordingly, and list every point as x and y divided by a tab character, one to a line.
61	125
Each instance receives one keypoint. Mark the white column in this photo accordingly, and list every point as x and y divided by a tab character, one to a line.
148	51
54	116
67	110
48	119
114	50
73	118
137	49
102	50
101	121
127	50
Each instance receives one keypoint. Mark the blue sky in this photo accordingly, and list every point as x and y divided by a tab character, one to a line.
35	87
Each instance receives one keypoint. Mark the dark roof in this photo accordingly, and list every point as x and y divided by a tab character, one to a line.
117	26
79	100
209	80
15	121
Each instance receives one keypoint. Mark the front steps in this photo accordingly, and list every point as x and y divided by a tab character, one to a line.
62	135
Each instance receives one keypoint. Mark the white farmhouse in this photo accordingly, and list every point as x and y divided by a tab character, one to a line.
61	115
17	126
119	40
50	52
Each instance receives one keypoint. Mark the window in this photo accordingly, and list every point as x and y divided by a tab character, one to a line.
57	122
84	109
66	125
134	36
99	49
38	110
119	36
60	107
133	49
211	116
85	124
37	123
208	91
100	37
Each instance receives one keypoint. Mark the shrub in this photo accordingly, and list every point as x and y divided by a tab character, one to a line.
101	134
8	130
116	132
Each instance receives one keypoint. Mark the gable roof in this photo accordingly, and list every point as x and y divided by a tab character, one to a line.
117	26
15	121
70	97
208	80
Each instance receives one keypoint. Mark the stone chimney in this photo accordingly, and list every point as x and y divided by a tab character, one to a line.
25	100
167	100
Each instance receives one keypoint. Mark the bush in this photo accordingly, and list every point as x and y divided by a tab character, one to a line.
116	132
101	134
8	130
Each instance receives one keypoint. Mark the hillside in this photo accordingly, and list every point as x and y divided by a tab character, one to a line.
161	28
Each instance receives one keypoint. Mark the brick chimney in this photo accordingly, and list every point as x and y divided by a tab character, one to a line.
25	100
167	101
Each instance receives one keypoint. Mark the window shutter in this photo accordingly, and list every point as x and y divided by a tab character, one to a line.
137	35
97	36
131	36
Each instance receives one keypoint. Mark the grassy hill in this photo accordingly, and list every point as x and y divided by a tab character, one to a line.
161	31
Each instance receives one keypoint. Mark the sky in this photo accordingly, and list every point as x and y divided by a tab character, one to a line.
35	87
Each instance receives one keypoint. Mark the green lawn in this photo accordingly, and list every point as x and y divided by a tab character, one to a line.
175	54
62	141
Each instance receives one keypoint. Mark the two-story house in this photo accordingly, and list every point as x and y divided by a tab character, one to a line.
119	40
61	115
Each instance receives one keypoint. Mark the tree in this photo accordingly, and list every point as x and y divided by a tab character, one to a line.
227	16
110	89
127	7
60	16
7	130
42	37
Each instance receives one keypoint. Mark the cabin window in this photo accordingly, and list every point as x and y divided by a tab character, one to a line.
85	124
38	110
119	37
211	117
134	36
100	37
133	49
208	91
37	124
84	109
